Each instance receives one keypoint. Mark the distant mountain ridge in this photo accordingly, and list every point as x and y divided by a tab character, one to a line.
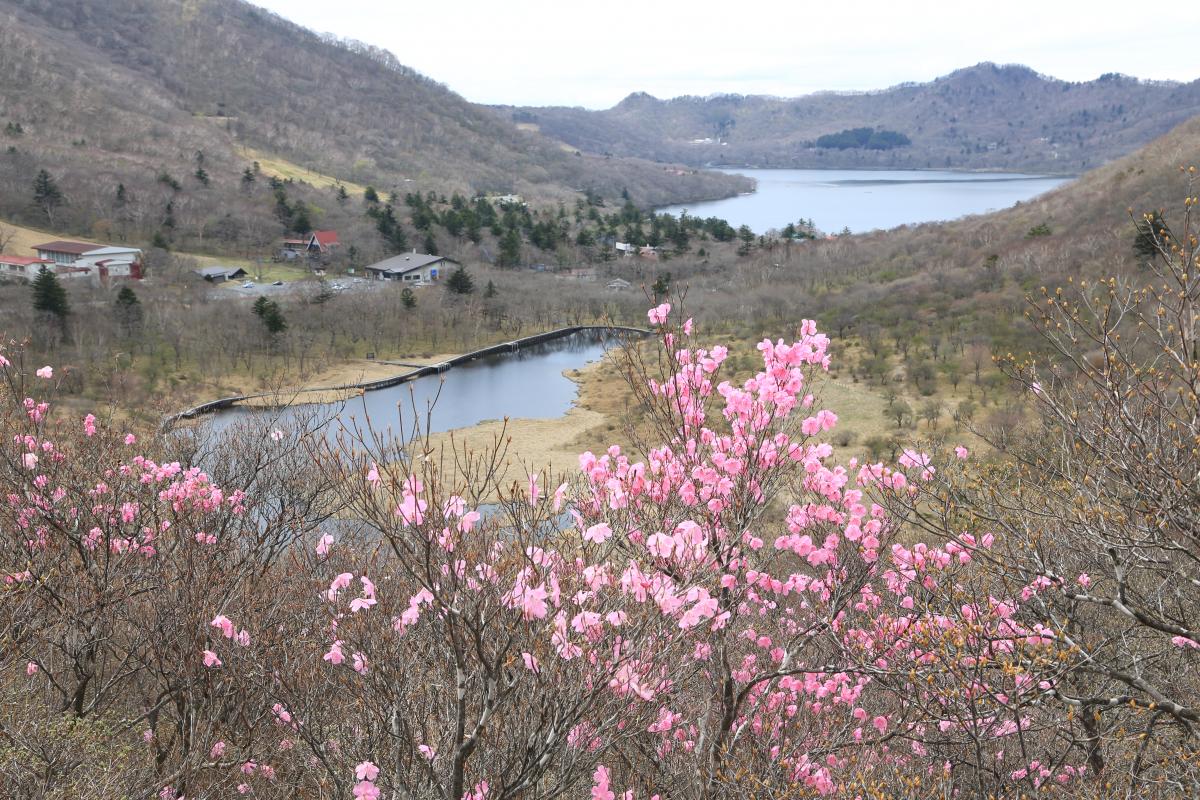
987	116
108	92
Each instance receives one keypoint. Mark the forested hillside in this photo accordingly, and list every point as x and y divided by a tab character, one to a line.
131	105
982	117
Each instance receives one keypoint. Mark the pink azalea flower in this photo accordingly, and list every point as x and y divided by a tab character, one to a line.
323	545
46	372
31	669
533	602
210	659
961	451
600	790
335	655
223	622
559	494
366	771
217	751
365	790
598	533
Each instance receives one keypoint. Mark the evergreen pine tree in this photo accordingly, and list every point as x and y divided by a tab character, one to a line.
272	318
49	296
510	248
490	291
50	299
301	223
408	298
129	311
460	281
46	195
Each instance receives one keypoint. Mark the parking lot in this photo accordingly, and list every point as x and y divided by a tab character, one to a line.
250	288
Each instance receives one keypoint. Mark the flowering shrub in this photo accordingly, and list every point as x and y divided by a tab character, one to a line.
729	612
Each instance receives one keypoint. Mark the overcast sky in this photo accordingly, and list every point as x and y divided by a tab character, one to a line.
565	52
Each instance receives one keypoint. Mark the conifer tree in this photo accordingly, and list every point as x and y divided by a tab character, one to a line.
510	248
129	311
46	195
460	281
49	296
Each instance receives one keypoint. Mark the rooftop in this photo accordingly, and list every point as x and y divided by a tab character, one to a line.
64	246
23	261
406	262
111	250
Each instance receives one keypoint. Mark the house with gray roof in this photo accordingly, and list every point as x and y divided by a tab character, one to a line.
411	268
219	274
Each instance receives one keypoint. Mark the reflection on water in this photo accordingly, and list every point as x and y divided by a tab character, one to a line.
527	383
865	200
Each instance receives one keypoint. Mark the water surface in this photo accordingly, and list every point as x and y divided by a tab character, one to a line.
527	383
865	200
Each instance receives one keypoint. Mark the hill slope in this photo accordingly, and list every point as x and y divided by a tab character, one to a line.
101	92
982	117
956	291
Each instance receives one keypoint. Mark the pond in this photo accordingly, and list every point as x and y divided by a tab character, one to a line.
866	200
527	383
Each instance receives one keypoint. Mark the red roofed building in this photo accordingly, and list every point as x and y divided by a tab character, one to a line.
322	241
86	260
64	253
22	267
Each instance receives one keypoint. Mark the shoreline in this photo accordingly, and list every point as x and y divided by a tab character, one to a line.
338	392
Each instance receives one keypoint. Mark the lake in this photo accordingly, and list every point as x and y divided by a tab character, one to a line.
527	383
866	200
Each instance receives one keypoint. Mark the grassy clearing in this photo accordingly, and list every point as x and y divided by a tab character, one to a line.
265	272
284	169
23	238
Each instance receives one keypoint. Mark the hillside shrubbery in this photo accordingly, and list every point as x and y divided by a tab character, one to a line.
726	612
863	138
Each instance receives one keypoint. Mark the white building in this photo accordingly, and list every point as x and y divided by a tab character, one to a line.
87	260
22	267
